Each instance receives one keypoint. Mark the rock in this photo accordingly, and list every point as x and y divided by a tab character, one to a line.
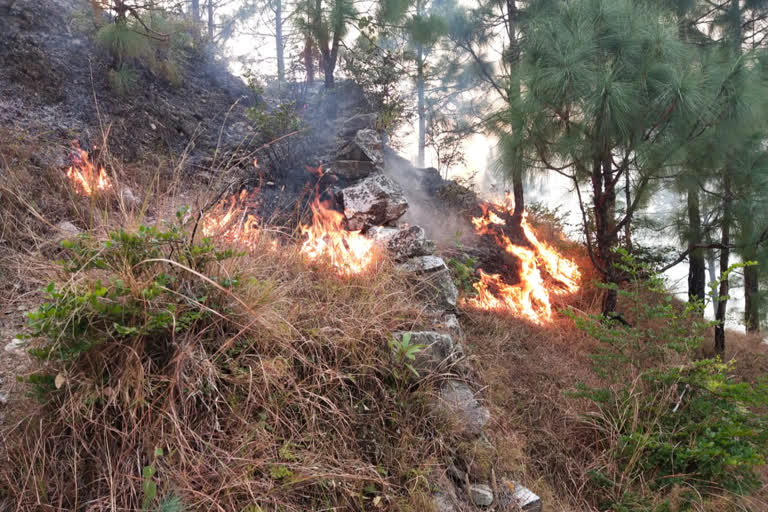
3	398
439	289
366	145
423	265
127	196
374	201
16	347
481	494
457	398
352	169
452	325
403	243
516	497
439	349
358	122
67	229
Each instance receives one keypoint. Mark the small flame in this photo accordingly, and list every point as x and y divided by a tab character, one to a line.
349	252
530	297
230	221
84	177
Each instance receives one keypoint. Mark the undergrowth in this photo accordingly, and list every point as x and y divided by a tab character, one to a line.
178	375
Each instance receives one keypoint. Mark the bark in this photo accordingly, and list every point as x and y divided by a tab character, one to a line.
196	10
421	107
604	194
751	299
725	240
279	40
628	201
696	267
210	19
513	53
309	60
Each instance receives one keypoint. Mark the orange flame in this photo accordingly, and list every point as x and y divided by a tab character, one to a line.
349	252
230	221
85	178
530	297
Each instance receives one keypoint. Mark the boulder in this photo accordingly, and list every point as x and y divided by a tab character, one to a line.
403	243
352	170
66	230
358	122
439	349
459	400
481	495
374	201
423	265
366	145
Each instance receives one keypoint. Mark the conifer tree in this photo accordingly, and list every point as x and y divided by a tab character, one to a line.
326	21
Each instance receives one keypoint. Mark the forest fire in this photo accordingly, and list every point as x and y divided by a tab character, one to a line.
530	296
350	252
85	178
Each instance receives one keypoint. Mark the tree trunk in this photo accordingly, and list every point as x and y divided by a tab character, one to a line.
513	53
696	267
196	10
309	60
328	68
604	194
751	298
279	40
421	107
210	19
725	240
628	201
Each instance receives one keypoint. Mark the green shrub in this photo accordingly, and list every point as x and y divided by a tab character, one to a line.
463	274
664	418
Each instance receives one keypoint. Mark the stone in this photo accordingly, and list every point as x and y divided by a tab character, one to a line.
3	398
439	349
128	197
452	325
67	229
374	201
358	122
481	495
457	397
352	169
440	290
366	145
423	265
403	243
513	496
16	347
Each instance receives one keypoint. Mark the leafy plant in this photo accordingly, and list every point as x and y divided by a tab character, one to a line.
463	274
404	352
666	418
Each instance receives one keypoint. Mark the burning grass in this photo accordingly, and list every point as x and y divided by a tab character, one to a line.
223	381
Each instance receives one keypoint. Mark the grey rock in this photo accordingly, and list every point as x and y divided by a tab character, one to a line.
439	349
452	325
128	197
366	145
516	497
403	243
481	494
67	229
16	347
440	290
456	397
358	122
3	398
374	201
423	265
352	169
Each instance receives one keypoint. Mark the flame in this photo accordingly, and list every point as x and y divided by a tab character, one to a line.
84	177
230	221
349	252
530	297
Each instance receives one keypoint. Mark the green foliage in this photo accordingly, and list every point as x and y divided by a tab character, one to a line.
149	38
463	274
404	352
141	286
665	418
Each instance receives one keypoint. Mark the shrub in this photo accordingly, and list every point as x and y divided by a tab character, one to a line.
664	419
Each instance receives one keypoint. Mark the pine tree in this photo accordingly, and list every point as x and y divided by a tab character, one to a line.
610	93
326	21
